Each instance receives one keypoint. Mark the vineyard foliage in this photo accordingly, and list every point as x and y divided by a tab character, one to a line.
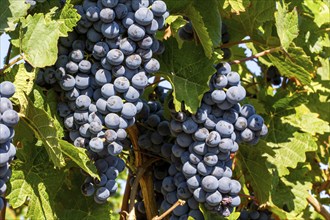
281	173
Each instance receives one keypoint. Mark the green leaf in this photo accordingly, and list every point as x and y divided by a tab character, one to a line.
238	6
292	190
68	18
177	6
324	70
79	156
289	68
284	101
187	71
23	81
38	34
320	11
247	23
307	121
206	20
287	25
11	12
253	164
44	129
299	57
34	181
71	204
39	40
289	152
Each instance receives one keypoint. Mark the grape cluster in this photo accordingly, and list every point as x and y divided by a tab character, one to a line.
154	130
186	32
225	37
255	215
204	142
155	140
8	119
102	69
273	76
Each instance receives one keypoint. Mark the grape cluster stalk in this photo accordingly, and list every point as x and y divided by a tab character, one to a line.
8	119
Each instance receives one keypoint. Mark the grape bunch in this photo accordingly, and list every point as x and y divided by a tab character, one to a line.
102	69
273	76
186	32
8	119
154	130
252	211
255	215
204	143
225	37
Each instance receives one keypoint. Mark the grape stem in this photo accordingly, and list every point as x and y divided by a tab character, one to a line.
140	172
124	203
146	182
179	202
318	207
263	53
19	58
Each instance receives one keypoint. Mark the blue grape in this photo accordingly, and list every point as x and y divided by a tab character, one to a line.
136	32
112	121
102	77
121	84
121	11
7	89
115	148
87	189
143	16
10	118
158	8
133	61
114	104
109	3
107	15
110	30
199	195
127	46
255	122
128	111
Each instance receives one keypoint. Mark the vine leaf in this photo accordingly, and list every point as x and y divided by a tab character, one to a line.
34	180
291	152
286	24
39	39
71	204
79	156
68	18
292	190
237	6
23	80
44	129
187	71
39	33
307	121
206	20
254	168
247	23
289	68
11	12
